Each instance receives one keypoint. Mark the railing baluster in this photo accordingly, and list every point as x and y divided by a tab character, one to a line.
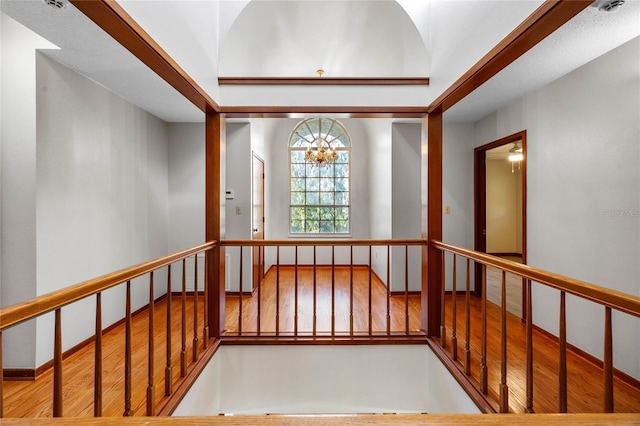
240	298
1	380
57	365
128	411
467	320
454	313
277	290
529	310
195	307
295	296
168	379
351	291
562	366
483	334
151	394
443	328
183	337
608	362
333	291
388	290
97	369
370	302
205	304
314	292
261	274
406	289
504	389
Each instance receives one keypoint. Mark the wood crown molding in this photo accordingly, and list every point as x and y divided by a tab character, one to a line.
325	81
116	22
347	111
550	16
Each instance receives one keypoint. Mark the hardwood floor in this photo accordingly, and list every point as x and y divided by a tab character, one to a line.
341	308
33	399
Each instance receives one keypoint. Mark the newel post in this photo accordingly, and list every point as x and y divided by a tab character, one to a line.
431	221
214	219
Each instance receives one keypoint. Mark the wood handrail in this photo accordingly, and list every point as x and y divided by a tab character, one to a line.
325	242
604	296
20	312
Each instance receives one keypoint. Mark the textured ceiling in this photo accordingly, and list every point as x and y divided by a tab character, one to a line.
440	39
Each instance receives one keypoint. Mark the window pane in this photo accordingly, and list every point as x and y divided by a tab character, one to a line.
342	198
297	226
342	213
312	184
326	213
343	157
297	170
326	170
327	226
342	226
342	184
313	198
297	184
297	198
313	170
342	170
312	213
326	184
326	198
312	226
297	156
297	213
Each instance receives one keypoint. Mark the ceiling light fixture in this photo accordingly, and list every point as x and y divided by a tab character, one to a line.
607	5
320	150
516	155
56	4
320	72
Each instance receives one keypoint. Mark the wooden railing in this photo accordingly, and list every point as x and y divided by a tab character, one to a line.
289	307
609	299
19	313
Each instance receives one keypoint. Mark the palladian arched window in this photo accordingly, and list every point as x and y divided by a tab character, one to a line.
320	163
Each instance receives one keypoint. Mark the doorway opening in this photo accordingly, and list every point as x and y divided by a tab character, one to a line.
500	204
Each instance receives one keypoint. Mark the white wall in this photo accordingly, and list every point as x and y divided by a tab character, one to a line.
583	199
325	379
457	191
102	195
406	201
18	182
504	206
238	155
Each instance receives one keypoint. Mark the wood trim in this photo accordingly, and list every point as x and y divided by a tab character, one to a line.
619	374
467	383
348	111
617	300
321	340
432	259
24	311
215	133
116	22
237	293
550	16
30	374
325	81
168	405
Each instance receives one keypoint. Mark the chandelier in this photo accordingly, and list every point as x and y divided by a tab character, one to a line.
321	153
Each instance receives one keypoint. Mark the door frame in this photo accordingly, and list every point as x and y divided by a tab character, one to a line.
258	251
480	203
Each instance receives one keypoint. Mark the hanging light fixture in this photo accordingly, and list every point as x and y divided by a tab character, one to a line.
321	153
515	155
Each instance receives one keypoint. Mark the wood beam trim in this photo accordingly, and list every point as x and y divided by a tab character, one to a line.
116	22
350	111
324	81
550	16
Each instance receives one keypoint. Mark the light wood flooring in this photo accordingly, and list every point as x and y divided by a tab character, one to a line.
33	399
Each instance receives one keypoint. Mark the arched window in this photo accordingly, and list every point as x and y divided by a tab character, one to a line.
319	160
